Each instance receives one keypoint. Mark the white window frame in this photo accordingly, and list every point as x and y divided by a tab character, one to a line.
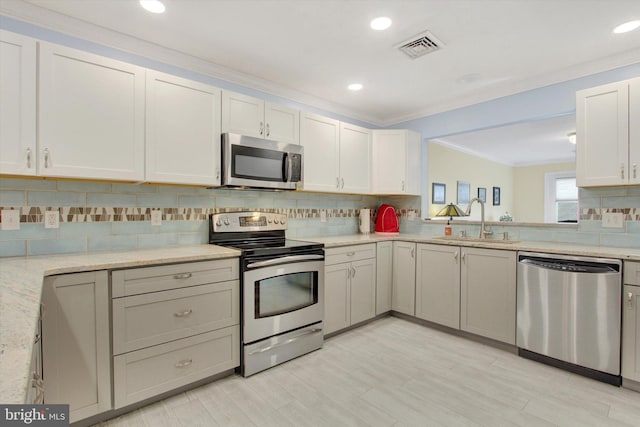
550	194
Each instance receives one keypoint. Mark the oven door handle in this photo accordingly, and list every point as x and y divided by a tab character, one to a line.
284	260
289	341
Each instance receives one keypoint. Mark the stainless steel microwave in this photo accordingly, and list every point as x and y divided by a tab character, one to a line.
260	163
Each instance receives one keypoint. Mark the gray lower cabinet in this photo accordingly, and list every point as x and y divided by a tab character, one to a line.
488	293
384	276
404	278
631	322
173	325
75	343
350	286
438	284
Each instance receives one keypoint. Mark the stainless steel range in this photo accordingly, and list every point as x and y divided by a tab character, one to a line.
282	288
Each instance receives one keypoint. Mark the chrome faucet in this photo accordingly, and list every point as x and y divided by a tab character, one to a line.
483	233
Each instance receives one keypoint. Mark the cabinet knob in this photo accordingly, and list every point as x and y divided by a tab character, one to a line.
635	172
337	182
630	298
351	253
353	272
622	170
268	130
413	251
28	158
463	256
182	276
342	182
455	256
261	128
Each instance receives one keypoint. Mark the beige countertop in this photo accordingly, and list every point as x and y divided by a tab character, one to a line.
629	254
21	281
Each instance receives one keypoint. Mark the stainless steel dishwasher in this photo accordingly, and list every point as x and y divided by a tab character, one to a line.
569	313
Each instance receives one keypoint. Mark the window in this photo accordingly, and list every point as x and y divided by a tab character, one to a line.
561	197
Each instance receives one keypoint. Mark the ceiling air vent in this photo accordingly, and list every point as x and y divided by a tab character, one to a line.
420	45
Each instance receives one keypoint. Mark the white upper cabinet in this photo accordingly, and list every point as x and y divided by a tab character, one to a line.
608	134
91	116
17	104
396	162
337	155
251	116
320	139
183	131
355	159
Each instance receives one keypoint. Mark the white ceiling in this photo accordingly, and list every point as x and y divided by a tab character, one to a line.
522	144
311	49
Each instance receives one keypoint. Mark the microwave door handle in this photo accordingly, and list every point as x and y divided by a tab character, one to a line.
283	260
288	167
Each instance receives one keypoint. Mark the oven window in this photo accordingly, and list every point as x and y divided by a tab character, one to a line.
285	293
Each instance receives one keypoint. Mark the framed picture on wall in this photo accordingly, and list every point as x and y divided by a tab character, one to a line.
464	193
482	194
496	196
438	193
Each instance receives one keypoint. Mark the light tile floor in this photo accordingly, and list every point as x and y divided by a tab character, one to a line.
395	373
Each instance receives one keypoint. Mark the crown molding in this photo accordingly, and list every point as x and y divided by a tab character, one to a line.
85	31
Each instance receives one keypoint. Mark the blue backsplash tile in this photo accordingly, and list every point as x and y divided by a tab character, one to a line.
13	198
13	248
56	198
57	246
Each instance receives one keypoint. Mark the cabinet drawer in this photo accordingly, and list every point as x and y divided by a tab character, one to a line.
349	253
146	373
631	273
151	279
144	320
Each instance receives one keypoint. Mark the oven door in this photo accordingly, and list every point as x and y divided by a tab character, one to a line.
285	294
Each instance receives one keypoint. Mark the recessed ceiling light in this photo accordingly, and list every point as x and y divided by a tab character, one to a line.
354	86
153	6
381	23
626	27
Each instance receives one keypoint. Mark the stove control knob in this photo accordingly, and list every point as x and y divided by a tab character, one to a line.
269	220
226	220
282	221
219	222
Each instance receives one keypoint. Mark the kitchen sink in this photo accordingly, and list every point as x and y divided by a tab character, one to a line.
475	239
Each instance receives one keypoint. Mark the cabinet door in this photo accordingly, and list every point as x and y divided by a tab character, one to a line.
634	131
389	159
355	159
76	354
438	284
183	131
631	333
282	123
319	137
17	104
337	299
602	128
384	276
242	114
488	293
404	278
363	290
91	116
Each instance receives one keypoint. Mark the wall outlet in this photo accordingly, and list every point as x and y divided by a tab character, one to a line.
10	219
52	219
156	218
323	215
613	219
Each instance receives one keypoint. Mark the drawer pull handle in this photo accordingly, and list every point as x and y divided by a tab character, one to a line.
182	276
351	253
183	363
183	313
